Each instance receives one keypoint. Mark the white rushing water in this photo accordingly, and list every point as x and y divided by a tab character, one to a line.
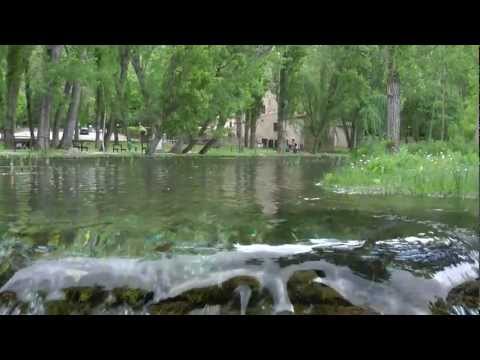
402	293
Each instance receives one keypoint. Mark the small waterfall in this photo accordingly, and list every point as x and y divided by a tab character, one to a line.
244	292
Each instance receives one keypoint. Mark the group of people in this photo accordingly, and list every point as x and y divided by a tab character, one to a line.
292	146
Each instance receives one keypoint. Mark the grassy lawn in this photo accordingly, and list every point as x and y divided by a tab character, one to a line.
418	169
225	151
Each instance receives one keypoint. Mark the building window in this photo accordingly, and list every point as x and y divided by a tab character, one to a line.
275	127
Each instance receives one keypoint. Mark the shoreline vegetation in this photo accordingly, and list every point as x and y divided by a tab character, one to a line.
432	169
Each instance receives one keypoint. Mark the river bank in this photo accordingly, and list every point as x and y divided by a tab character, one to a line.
429	169
215	152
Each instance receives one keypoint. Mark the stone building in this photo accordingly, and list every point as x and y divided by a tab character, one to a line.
267	126
267	134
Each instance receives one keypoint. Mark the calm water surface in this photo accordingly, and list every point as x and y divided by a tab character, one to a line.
174	224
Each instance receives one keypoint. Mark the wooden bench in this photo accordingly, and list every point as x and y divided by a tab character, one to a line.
143	148
80	146
23	143
119	148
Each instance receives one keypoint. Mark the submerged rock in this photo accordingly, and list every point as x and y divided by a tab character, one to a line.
310	297
463	299
466	294
238	295
14	255
225	299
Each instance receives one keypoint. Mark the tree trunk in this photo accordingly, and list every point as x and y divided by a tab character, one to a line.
122	101
99	102
354	136
115	133
99	112
253	132
56	122
214	139
43	136
193	140
247	128
2	105
76	136
98	125
348	135
393	96
152	146
110	124
443	114
191	143
28	98
103	145
140	72
282	112
178	146
207	146
127	135
72	116
13	80
476	133
238	122
393	125
316	141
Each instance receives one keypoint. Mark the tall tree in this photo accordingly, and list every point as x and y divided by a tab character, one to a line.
239	118
290	63
3	52
52	57
99	113
17	58
28	98
255	111
246	136
393	95
121	108
72	116
319	93
60	113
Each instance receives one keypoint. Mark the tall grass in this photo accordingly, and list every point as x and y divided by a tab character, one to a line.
429	169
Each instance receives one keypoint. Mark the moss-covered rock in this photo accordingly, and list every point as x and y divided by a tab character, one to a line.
9	304
309	297
78	301
8	298
224	295
439	307
132	297
170	308
466	294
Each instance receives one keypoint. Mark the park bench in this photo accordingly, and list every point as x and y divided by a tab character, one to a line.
134	147
22	143
80	146
119	148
